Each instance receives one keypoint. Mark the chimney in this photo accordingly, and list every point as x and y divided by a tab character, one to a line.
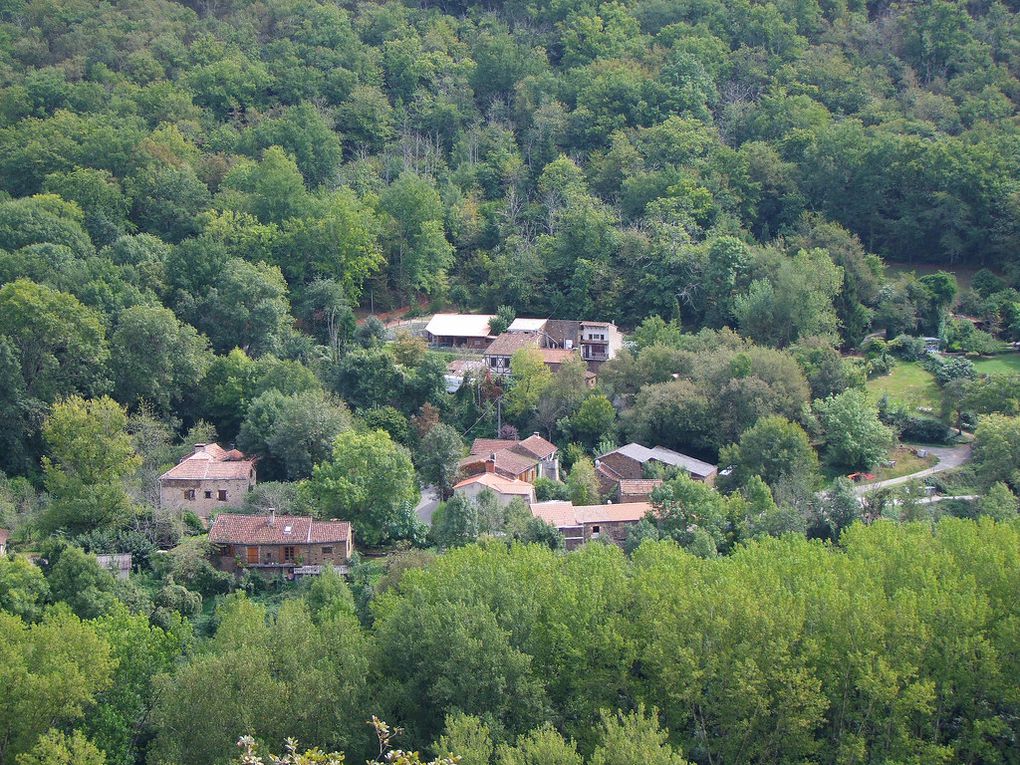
272	517
536	433
490	464
199	448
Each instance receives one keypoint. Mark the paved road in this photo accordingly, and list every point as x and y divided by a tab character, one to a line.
427	504
948	458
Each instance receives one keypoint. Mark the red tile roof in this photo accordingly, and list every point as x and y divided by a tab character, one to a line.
210	461
486	446
535	446
557	512
564	514
508	462
556	355
498	484
509	343
232	528
639	486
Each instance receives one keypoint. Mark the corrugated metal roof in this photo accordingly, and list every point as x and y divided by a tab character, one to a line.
526	325
459	325
666	456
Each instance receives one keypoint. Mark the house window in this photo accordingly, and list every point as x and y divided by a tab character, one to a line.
288	553
327	550
208	494
221	495
595	532
189	494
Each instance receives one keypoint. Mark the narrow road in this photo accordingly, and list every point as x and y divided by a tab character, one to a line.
427	504
949	457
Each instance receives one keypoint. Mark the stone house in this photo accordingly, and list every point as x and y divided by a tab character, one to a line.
505	489
502	349
629	461
636	490
279	544
534	457
208	480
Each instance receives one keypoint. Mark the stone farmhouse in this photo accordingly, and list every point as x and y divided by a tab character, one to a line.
280	545
628	463
505	489
526	460
585	523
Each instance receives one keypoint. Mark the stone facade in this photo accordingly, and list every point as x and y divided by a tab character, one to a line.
209	480
204	497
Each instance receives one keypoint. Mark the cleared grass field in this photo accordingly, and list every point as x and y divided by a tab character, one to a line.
1007	363
906	463
909	384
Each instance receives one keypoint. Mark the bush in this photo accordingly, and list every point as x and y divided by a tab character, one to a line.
910	427
925	430
948	369
963	337
878	366
908	348
546	489
986	283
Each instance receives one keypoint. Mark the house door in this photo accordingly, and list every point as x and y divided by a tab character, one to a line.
253	556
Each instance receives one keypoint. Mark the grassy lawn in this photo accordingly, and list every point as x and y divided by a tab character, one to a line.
909	384
1006	363
906	463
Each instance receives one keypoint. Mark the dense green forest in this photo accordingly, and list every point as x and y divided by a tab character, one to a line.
898	647
245	175
201	207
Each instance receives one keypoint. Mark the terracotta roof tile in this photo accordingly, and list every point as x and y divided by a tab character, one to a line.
535	446
232	528
564	514
499	484
556	512
639	486
486	446
508	463
210	461
509	343
556	355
